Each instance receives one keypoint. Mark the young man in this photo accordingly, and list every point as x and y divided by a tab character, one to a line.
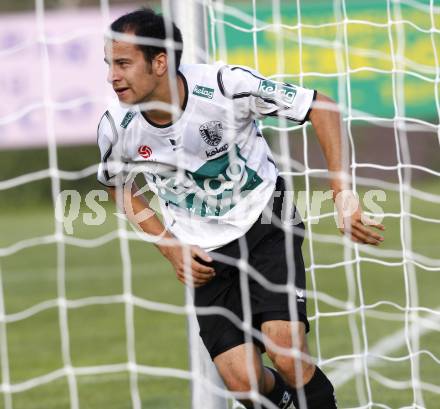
215	179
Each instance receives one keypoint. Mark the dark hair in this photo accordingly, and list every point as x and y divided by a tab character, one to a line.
146	23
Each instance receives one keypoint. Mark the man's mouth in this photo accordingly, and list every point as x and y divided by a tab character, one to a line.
121	90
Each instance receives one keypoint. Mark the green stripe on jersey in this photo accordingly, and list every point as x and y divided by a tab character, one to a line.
209	191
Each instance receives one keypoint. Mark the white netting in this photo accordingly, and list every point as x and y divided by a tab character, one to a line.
359	372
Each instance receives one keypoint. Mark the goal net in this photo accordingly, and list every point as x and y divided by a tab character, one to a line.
91	316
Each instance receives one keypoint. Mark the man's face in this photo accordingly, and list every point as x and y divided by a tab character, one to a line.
129	74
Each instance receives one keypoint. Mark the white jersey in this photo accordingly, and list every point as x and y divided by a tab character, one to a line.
212	169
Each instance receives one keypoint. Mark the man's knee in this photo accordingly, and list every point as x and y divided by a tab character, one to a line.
296	372
243	380
298	369
238	373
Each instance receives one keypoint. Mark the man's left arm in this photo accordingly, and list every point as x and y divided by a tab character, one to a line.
326	121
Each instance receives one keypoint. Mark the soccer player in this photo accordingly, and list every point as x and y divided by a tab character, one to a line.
216	182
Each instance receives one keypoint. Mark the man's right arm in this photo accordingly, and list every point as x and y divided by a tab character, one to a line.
139	213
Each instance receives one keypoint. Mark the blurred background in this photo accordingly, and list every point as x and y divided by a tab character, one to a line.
381	66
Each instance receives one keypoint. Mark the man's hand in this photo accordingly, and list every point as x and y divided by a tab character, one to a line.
201	274
352	222
140	214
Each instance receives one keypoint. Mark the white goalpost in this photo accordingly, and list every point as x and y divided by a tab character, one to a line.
370	365
193	19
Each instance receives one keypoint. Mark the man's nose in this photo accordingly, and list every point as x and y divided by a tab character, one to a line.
112	75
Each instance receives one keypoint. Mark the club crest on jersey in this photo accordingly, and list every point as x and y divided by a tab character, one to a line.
204	92
277	91
212	132
145	151
127	119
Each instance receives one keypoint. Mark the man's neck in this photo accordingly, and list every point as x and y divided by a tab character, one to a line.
164	94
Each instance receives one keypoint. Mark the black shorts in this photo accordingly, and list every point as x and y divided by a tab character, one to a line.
266	254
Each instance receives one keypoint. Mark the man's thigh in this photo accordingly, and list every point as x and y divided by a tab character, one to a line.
275	254
279	265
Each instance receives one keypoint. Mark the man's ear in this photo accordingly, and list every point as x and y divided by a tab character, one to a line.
160	64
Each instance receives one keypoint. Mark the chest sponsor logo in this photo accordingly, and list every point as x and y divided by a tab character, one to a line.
127	119
204	92
145	151
212	132
277	91
217	150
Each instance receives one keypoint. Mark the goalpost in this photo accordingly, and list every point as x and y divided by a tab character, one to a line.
362	367
192	18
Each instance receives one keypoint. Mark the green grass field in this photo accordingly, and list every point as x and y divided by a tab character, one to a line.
98	335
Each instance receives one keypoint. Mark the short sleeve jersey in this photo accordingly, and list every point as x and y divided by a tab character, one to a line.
212	169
